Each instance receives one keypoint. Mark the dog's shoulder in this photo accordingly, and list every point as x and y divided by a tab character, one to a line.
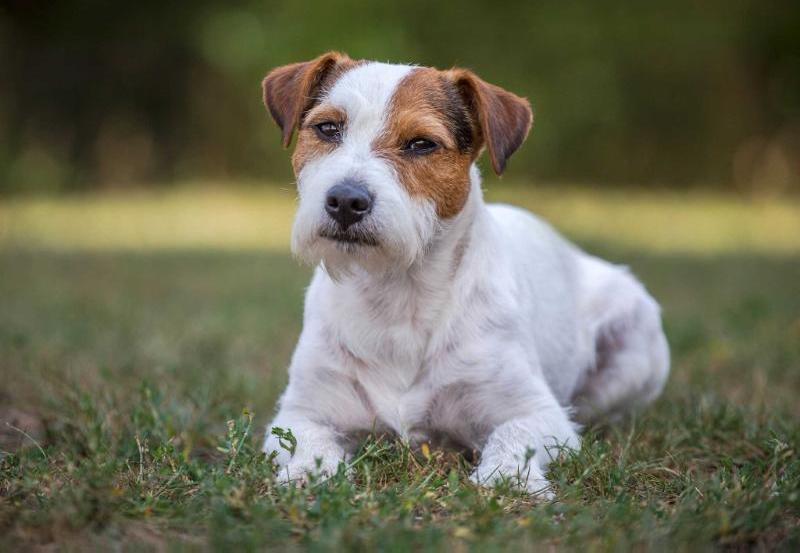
522	229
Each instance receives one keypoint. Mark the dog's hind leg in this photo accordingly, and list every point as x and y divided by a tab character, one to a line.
631	355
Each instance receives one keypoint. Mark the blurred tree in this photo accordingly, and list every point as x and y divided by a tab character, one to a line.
679	92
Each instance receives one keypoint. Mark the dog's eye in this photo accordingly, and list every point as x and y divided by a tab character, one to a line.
329	131
420	146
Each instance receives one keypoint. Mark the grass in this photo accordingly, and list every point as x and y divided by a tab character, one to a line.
144	340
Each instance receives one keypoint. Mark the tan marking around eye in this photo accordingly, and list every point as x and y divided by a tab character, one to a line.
309	144
324	112
418	109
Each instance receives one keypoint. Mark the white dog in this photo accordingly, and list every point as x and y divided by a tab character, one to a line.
432	315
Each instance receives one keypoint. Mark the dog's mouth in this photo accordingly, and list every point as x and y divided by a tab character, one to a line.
349	237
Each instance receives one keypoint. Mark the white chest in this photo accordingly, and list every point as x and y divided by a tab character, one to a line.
394	402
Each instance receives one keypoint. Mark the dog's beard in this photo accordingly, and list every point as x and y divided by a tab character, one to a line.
343	253
351	239
366	246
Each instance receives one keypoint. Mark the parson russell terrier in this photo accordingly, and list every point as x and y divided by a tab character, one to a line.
431	315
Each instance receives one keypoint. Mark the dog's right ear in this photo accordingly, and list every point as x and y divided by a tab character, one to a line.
504	119
290	90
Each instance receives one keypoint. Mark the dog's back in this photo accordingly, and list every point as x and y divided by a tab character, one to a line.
545	269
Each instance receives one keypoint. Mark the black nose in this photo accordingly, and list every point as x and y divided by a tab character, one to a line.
347	203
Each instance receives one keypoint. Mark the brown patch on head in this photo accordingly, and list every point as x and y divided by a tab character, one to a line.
455	109
428	105
290	91
462	114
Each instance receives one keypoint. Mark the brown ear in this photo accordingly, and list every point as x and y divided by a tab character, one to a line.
504	118
290	90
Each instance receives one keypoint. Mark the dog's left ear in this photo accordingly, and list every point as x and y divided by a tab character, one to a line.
504	119
290	90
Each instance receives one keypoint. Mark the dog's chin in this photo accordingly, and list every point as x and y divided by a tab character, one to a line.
344	253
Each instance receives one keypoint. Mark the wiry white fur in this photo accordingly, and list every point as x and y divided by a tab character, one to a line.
487	330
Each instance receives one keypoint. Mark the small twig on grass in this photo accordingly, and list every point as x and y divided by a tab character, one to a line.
141	459
369	451
21	431
237	442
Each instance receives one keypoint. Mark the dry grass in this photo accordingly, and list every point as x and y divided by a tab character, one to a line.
259	217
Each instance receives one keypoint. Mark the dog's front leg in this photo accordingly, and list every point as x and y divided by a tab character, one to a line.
519	450
317	450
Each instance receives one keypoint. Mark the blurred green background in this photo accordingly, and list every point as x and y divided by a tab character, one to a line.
666	93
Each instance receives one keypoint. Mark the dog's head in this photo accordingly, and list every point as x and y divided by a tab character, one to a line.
384	153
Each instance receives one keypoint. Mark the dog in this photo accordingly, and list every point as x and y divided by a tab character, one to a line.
432	315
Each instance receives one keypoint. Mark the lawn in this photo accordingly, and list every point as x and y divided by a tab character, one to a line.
144	339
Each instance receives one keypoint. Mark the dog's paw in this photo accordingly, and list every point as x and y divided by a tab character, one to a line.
301	472
527	479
